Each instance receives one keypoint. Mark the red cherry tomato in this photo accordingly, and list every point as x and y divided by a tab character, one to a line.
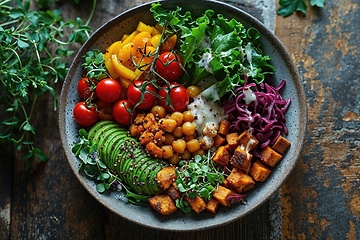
135	92
108	90
179	97
84	116
168	66
121	114
104	110
84	89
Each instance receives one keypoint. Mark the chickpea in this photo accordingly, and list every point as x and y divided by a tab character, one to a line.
178	117
188	128
169	138
158	111
179	145
186	155
189	137
200	152
193	145
167	151
193	91
167	124
188	116
175	159
178	133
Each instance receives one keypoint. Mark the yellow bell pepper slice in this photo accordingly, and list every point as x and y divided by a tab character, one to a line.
125	82
114	48
142	27
109	66
121	69
128	39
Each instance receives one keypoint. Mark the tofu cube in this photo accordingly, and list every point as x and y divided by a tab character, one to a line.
239	181
281	144
259	171
163	204
270	157
249	142
241	159
222	156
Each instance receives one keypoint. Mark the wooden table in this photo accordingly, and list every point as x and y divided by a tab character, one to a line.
320	200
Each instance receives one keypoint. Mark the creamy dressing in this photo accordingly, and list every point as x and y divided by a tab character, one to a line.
205	61
248	53
207	116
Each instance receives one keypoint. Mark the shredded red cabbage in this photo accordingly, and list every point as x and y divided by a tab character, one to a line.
264	117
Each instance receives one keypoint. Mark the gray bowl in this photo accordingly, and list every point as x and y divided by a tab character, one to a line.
126	22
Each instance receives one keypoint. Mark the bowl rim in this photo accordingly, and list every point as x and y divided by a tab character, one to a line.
279	46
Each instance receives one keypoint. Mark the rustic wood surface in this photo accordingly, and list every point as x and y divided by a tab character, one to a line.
320	200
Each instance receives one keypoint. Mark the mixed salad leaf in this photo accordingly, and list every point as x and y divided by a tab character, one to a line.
212	45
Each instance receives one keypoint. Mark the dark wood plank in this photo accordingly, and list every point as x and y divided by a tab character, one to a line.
321	198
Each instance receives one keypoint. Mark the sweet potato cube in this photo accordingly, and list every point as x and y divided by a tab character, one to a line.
224	127
219	140
281	144
221	156
162	204
165	177
197	204
231	139
239	181
241	159
259	171
212	205
249	142
173	192
221	194
270	157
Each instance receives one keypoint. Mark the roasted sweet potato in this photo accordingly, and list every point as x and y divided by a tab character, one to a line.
173	192
165	177
149	121
146	137
154	150
239	181
224	127
231	139
162	204
270	157
221	156
249	142
197	204
241	159
259	171
221	194
212	205
219	140
281	144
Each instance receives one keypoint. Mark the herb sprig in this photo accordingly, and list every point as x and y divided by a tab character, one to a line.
288	7
197	177
33	55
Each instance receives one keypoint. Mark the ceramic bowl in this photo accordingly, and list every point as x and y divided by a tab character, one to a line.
126	22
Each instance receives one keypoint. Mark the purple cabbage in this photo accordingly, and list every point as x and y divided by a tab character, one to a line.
264	117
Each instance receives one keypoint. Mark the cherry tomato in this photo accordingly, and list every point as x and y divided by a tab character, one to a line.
108	90
84	116
121	114
179	97
168	66
84	89
135	92
104	110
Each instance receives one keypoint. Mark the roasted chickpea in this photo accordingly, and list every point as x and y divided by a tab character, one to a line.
169	138
167	151
175	159
193	145
167	124
188	116
177	132
186	155
188	128
158	111
179	145
200	152
193	91
178	117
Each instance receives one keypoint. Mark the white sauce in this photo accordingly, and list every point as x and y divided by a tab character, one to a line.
248	53
205	61
249	95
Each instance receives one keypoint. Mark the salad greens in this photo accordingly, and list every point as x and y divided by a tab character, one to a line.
212	45
287	7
